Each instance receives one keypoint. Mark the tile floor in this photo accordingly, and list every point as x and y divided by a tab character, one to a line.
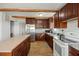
40	48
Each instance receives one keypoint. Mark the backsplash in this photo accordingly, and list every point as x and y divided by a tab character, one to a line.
40	30
72	27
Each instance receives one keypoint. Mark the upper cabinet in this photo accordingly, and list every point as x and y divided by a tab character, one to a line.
62	14
56	20
39	23
30	21
42	23
78	15
69	11
46	23
75	10
59	20
63	24
72	10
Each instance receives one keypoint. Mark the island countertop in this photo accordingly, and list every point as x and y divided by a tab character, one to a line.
9	44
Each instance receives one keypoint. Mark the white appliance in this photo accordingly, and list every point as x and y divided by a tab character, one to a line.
30	29
61	45
60	48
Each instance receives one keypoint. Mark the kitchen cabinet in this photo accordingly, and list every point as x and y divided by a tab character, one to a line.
75	10
40	37
72	10
78	14
46	23
30	21
69	8
63	24
49	40
62	14
73	51
20	50
56	20
60	20
42	23
39	23
69	11
63	17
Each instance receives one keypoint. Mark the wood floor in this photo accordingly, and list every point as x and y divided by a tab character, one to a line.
40	48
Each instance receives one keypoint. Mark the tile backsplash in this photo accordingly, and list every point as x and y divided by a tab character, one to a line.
72	27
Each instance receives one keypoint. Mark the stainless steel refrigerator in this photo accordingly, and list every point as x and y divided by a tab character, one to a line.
30	29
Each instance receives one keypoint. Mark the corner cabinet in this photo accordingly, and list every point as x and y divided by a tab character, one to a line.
59	22
69	11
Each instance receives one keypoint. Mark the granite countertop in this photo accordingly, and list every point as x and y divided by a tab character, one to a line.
9	44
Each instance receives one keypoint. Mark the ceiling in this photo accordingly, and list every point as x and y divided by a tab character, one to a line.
45	6
49	6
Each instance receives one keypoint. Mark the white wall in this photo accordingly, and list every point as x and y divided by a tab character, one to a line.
18	28
0	26
4	26
22	28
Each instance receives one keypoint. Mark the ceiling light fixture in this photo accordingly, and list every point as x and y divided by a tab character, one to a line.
40	14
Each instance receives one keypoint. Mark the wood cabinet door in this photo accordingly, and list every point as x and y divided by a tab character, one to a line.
56	20
75	10
17	51
30	21
46	23
78	14
69	7
63	13
22	49
39	23
73	51
63	24
27	46
49	40
42	23
38	37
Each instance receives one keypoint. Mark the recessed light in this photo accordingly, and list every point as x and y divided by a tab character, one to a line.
40	14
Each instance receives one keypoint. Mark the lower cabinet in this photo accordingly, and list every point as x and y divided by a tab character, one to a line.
49	40
40	37
73	52
21	50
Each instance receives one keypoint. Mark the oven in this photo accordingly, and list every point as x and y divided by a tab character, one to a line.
60	47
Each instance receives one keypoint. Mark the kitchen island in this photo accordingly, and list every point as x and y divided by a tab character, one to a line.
16	46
